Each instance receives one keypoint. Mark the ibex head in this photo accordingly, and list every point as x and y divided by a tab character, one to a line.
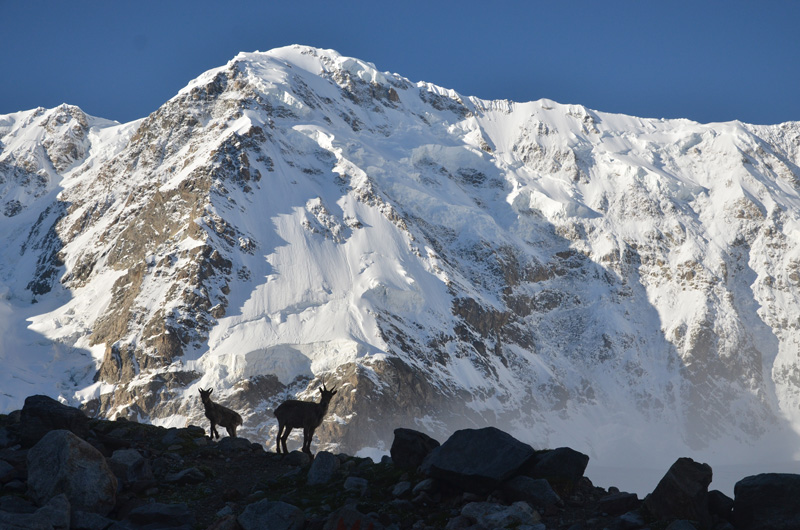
326	394
205	395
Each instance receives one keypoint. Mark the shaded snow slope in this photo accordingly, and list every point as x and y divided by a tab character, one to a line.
624	286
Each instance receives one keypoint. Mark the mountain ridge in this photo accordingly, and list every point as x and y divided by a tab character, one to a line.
454	262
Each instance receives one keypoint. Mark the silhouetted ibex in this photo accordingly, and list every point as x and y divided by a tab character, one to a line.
219	415
302	414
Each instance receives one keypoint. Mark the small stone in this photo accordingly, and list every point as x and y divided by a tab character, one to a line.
15	504
425	486
190	475
15	486
493	515
357	484
6	471
350	518
535	491
81	520
401	489
618	503
322	468
297	458
164	514
275	515
680	524
130	466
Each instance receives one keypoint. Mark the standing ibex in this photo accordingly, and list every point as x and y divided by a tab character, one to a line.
219	415
302	414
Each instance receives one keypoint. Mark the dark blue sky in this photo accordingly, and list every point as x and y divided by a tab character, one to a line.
702	60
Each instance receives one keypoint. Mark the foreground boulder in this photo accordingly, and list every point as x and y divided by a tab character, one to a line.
63	463
410	448
273	515
682	493
562	467
491	515
767	501
348	517
477	460
130	467
535	491
163	515
54	514
42	414
322	468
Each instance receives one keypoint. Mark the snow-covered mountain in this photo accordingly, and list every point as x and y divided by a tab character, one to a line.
621	285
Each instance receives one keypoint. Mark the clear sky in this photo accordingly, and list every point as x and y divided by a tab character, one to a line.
703	60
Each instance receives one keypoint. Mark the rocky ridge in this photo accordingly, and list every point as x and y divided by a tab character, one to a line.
61	470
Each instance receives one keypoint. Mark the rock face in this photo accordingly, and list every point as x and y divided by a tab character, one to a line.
296	214
63	463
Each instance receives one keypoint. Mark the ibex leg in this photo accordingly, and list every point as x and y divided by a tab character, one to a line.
307	435
282	439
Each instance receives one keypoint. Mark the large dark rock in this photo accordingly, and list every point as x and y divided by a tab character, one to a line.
767	501
55	514
492	515
350	518
63	463
562	467
682	493
535	491
165	515
410	448
618	503
42	414
720	505
322	468
477	460
130	466
274	515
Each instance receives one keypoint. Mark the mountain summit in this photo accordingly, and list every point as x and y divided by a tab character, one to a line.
614	283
